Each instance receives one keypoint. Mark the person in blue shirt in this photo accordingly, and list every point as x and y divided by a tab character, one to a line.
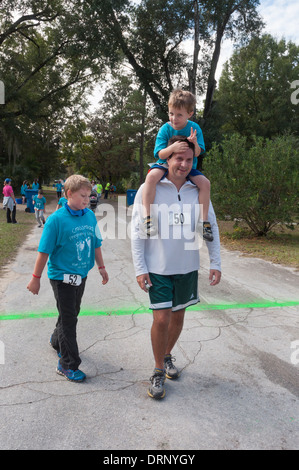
71	244
58	189
181	106
113	191
35	184
62	201
23	189
39	204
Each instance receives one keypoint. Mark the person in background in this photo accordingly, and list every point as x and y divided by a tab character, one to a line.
62	201
99	190
35	184
39	203
113	191
9	202
23	193
59	189
107	189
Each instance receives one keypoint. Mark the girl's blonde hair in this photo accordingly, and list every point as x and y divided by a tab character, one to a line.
75	183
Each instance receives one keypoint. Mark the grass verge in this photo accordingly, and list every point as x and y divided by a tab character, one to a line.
281	246
12	236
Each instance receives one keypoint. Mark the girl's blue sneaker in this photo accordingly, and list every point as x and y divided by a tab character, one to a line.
72	375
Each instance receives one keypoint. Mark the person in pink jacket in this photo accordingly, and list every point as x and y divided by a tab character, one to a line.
9	202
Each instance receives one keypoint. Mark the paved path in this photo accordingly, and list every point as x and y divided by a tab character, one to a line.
239	386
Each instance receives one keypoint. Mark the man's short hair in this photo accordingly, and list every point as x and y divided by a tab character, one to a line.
75	183
180	138
182	99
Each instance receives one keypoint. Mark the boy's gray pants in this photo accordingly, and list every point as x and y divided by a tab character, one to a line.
39	214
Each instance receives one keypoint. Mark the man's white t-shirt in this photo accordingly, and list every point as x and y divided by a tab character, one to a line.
175	250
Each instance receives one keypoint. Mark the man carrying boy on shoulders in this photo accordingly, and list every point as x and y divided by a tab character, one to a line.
167	264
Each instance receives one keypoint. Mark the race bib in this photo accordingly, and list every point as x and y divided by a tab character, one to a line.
179	218
72	279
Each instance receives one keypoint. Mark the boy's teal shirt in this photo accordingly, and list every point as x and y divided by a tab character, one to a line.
39	202
167	131
70	239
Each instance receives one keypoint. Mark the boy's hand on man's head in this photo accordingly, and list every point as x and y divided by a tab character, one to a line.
178	147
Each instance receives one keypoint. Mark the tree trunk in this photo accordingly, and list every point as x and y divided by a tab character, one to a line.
141	150
193	72
211	79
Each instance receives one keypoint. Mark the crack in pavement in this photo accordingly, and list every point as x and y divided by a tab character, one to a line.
114	382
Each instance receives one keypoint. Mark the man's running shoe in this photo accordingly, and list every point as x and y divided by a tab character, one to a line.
72	375
149	227
156	389
171	371
207	232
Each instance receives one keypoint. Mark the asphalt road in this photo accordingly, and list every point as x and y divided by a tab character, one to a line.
239	355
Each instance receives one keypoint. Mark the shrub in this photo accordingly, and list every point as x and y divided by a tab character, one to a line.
258	184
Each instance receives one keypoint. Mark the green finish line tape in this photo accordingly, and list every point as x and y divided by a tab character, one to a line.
132	311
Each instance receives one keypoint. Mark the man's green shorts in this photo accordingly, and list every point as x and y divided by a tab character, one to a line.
175	291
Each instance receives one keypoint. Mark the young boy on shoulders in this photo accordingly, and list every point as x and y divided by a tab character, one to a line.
71	243
181	106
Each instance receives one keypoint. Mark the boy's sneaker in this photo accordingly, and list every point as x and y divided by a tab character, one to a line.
149	227
207	231
72	375
51	344
156	389
171	371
